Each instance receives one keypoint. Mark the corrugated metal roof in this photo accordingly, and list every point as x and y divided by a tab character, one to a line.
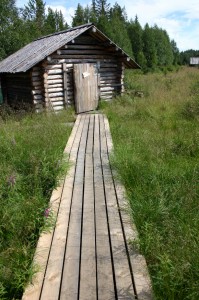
33	53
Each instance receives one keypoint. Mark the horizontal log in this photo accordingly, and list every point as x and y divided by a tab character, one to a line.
106	98
83	47
37	97
53	90
37	92
53	85
54	77
57	99
35	73
106	93
53	81
57	108
109	65
83	51
110	85
80	61
53	66
110	70
109	81
52	95
37	83
83	56
38	87
55	71
109	88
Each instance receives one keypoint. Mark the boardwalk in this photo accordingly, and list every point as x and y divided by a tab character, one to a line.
88	256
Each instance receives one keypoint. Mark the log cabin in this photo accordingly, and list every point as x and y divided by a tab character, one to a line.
78	66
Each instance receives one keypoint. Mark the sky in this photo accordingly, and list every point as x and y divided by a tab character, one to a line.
180	18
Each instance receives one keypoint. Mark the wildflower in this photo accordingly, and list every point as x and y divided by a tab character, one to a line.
11	180
47	212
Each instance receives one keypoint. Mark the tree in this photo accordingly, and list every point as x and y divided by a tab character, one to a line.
176	53
54	21
120	13
163	47
34	18
78	18
135	33
117	30
10	27
149	47
102	8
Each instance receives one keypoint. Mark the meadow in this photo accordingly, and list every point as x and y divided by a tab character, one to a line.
156	154
31	164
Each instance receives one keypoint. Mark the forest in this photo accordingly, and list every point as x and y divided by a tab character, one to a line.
150	46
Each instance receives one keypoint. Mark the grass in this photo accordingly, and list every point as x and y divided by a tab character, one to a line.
156	147
31	152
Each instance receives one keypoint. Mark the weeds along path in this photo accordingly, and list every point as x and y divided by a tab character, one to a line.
156	154
88	255
31	155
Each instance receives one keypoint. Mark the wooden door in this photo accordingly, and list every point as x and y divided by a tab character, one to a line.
86	87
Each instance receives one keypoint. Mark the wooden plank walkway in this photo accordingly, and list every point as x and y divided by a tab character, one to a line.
87	256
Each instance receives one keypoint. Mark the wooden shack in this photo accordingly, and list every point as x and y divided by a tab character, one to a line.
194	61
77	67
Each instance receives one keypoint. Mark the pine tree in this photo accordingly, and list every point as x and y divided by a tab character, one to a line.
163	47
10	28
102	8
34	17
117	30
78	18
149	48
135	33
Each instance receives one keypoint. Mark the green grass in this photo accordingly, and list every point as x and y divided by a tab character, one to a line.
31	152
156	146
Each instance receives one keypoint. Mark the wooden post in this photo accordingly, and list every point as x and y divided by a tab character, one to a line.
65	85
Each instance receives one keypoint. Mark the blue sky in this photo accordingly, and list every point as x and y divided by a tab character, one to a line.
179	17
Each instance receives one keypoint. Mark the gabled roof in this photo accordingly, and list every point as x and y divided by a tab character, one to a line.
33	53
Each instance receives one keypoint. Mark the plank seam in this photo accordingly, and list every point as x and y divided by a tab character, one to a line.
82	219
95	209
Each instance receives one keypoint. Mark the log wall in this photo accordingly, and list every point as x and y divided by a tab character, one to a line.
38	88
58	75
17	88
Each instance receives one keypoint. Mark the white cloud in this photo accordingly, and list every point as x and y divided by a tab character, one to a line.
176	17
179	17
67	12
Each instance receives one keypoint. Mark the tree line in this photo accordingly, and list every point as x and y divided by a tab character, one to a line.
150	46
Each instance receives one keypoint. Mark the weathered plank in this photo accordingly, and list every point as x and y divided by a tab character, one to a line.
123	276
105	276
34	290
53	276
71	268
88	284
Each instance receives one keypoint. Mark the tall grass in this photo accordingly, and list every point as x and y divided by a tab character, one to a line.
156	146
31	151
